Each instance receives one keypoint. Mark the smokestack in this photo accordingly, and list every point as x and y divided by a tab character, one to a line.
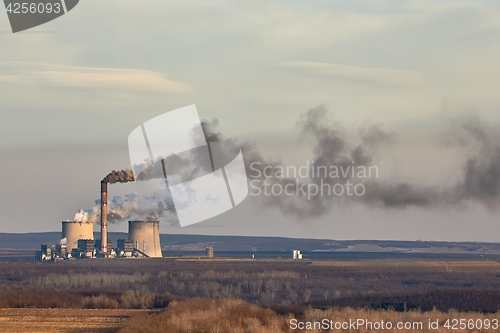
104	216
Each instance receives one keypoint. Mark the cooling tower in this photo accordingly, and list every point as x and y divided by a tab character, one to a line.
74	230
146	236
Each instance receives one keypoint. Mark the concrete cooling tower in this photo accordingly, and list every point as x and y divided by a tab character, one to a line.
75	230
146	237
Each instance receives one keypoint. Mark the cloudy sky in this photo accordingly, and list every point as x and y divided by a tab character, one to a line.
73	89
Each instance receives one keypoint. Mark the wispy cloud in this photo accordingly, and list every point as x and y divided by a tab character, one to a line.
398	77
89	78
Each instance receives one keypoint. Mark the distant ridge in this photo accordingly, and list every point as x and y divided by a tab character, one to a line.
174	242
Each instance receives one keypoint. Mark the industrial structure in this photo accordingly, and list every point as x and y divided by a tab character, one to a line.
125	248
72	231
109	248
104	217
210	252
78	243
296	254
85	249
146	237
78	239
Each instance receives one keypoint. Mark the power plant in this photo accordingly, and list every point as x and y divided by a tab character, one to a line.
77	239
78	242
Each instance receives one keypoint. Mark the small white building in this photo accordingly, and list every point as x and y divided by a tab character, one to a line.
296	254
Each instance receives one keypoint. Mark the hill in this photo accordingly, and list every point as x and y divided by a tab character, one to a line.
174	242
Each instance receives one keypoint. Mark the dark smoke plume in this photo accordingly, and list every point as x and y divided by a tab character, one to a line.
481	172
210	130
123	176
331	148
136	206
479	181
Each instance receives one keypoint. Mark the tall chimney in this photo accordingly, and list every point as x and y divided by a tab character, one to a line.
104	217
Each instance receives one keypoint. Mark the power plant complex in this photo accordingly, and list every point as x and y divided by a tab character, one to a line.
77	239
78	242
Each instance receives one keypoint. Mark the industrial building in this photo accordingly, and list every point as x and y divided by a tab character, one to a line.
296	254
125	247
86	248
109	248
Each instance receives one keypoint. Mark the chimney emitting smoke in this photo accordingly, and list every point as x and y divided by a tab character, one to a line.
104	216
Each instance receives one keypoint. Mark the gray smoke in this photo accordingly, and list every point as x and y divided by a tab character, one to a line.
331	148
481	172
136	206
212	134
123	176
479	181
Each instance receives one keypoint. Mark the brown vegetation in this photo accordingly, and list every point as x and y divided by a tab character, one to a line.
236	316
130	299
251	296
399	285
208	315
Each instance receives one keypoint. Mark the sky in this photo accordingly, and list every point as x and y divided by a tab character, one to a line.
72	90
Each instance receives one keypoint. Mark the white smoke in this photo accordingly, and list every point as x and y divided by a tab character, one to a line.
133	206
88	215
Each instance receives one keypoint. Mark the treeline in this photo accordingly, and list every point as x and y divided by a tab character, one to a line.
88	280
440	299
467	300
129	299
486	301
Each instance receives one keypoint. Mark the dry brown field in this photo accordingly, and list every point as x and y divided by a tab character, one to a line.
223	316
34	320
